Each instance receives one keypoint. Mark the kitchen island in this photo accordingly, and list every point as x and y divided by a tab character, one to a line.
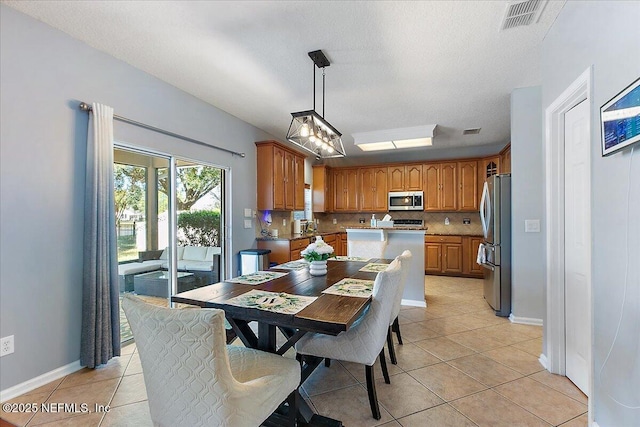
397	240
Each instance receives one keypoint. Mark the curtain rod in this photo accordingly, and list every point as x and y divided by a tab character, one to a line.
88	108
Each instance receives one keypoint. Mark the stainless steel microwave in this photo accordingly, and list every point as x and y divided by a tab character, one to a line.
406	201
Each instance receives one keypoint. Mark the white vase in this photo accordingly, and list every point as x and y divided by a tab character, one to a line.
318	268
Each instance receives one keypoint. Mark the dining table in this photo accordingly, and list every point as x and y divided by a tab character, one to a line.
325	313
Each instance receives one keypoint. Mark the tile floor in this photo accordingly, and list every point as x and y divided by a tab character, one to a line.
460	365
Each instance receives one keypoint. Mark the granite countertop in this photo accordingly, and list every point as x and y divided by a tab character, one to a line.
366	227
297	236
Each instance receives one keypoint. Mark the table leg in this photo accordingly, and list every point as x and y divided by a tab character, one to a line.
266	337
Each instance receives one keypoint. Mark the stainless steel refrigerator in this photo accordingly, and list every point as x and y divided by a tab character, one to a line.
495	251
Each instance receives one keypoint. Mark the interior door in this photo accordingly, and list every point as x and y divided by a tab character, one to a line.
577	219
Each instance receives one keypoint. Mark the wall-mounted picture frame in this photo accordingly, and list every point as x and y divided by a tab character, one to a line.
620	119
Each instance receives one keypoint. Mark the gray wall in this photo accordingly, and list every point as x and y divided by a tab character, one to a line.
528	260
607	36
43	74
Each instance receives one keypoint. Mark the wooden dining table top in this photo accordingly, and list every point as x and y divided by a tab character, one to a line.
328	314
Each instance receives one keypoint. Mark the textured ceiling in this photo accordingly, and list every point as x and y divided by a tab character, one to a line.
393	64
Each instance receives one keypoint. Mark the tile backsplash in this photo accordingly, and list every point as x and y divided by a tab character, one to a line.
433	220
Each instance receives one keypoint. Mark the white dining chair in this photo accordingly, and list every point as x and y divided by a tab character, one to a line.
193	379
394	325
365	340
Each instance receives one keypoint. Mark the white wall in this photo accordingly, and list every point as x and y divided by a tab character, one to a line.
527	202
43	75
606	35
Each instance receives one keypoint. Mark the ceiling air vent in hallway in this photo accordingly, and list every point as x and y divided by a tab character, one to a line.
522	12
472	131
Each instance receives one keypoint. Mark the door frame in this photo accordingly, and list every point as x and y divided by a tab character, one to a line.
555	348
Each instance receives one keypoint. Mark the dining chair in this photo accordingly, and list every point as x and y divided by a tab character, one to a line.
394	325
365	340
194	379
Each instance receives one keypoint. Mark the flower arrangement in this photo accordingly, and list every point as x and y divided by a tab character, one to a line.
317	251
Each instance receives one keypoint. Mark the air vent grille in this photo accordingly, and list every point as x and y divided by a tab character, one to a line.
522	12
472	131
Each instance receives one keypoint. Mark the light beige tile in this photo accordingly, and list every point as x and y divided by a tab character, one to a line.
440	416
485	370
114	369
507	334
416	331
136	414
445	326
561	384
410	357
135	365
391	424
84	420
533	347
357	370
515	359
447	382
130	390
128	349
476	340
542	401
443	348
23	408
472	321
90	394
405	395
489	409
326	379
47	388
349	405
581	421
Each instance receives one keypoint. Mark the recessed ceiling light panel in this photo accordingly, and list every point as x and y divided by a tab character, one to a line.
391	139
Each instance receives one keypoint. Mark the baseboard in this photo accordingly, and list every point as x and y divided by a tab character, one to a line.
414	303
543	361
33	383
525	320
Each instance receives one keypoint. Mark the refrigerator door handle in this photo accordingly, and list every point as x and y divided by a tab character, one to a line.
485	210
489	267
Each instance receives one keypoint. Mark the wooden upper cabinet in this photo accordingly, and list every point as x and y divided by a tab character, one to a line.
505	159
373	189
298	173
487	167
322	189
440	186
405	178
413	177
280	174
468	186
345	190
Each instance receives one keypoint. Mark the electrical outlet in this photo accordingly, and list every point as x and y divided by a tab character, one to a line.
335	221
6	345
466	221
361	220
446	221
284	222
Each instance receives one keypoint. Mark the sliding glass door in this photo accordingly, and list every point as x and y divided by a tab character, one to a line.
170	221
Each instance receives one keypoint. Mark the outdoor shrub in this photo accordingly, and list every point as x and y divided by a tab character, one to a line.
199	228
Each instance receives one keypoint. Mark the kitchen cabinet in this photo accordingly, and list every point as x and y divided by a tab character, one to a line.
405	178
345	190
439	186
469	256
487	167
505	159
373	189
449	255
280	177
343	244
322	190
468	186
284	250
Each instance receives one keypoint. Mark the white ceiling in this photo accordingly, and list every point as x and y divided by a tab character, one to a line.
393	64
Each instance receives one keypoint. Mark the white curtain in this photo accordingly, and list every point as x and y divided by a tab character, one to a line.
100	306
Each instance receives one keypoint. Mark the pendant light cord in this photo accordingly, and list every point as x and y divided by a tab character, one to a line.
322	91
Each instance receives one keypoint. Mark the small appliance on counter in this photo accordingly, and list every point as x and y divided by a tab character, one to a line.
297	226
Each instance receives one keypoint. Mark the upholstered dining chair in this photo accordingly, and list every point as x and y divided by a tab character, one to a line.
394	325
365	340
193	379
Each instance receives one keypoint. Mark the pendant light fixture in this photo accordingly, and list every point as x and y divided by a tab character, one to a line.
309	129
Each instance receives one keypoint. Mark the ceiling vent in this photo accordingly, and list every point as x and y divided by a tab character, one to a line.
472	131
522	12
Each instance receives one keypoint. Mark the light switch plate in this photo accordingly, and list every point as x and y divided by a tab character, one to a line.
247	212
531	225
247	223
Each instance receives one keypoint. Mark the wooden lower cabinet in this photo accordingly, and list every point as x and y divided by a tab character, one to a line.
449	255
284	250
470	254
